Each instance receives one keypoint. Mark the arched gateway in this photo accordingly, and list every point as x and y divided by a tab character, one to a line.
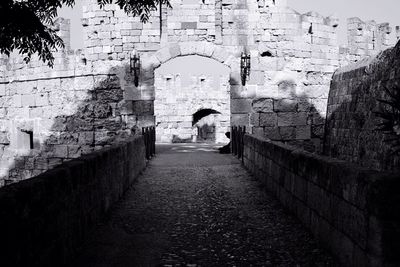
191	79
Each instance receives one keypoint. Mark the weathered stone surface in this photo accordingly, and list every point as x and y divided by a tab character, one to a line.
263	105
285	105
330	198
292	118
268	119
240	106
97	83
239	119
201	179
81	183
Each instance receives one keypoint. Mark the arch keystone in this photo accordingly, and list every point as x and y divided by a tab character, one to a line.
168	52
220	54
205	49
188	48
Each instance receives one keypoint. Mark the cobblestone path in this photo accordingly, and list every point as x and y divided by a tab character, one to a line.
195	207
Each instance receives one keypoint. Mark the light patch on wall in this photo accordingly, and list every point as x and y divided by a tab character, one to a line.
24	140
190	2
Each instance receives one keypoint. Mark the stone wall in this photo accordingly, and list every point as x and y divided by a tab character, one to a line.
354	212
352	122
44	220
48	116
89	99
184	87
293	56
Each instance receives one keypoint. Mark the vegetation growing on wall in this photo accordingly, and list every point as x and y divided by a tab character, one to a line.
28	25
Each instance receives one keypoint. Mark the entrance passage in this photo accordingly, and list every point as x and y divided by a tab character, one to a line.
192	100
196	207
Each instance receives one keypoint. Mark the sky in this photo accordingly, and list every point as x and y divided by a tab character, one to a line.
380	11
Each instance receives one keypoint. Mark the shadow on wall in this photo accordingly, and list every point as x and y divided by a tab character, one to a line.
351	127
204	124
203	113
292	118
206	133
99	119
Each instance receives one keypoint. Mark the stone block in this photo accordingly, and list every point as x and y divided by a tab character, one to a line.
263	105
220	54
175	50
53	162
60	151
42	99
240	106
285	105
272	133
188	25
85	83
287	132
303	132
257	77
259	131
255	119
2	89
41	164
28	100
16	101
4	139
240	119
292	118
268	119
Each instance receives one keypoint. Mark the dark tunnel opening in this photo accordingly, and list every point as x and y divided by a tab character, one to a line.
203	113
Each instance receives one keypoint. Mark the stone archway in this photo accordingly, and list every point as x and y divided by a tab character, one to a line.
184	87
206	50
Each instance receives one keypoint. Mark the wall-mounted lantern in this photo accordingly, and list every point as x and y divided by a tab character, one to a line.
373	40
245	67
311	32
135	66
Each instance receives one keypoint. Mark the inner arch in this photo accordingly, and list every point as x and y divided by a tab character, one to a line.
190	90
203	113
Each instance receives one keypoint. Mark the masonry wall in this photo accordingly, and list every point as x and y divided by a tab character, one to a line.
353	211
45	219
352	121
185	86
293	56
74	108
89	99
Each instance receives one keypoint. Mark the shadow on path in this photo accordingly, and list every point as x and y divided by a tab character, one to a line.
196	207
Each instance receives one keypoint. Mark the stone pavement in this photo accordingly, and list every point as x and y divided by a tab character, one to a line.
195	207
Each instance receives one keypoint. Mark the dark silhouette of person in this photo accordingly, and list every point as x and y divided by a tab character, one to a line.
226	149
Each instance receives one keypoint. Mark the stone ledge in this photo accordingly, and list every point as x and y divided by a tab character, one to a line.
45	218
350	209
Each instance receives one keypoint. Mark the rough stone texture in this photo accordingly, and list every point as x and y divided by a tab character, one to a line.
184	87
45	219
66	120
196	207
353	211
287	64
353	100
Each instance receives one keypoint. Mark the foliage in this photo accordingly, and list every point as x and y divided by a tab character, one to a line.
390	115
27	25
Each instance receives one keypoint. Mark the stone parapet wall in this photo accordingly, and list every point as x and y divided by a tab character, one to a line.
51	115
367	38
351	128
354	212
293	57
46	121
44	220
